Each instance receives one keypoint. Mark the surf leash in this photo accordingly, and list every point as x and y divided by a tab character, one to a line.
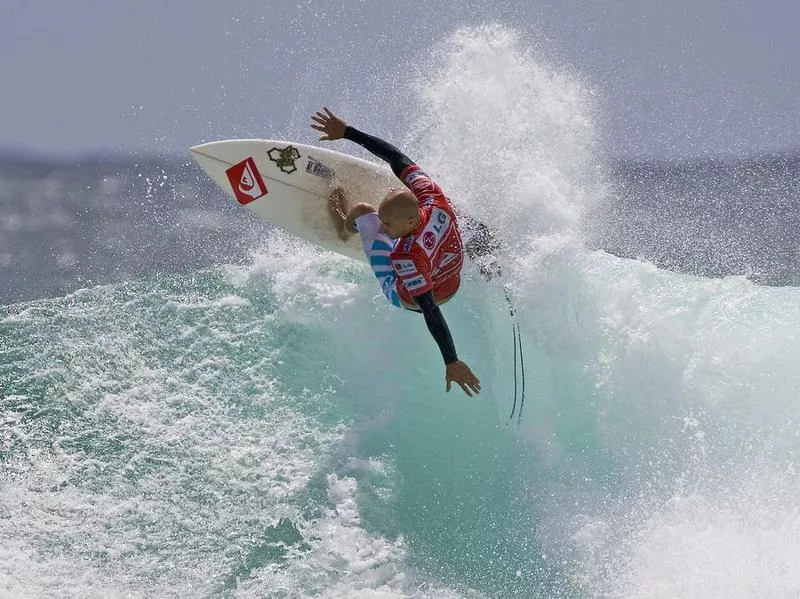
519	381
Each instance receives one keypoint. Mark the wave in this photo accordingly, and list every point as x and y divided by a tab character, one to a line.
275	429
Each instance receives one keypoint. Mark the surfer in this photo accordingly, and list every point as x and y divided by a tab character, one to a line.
412	241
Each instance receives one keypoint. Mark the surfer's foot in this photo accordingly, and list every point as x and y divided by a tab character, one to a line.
337	207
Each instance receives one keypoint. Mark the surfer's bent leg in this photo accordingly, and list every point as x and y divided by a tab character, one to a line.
377	247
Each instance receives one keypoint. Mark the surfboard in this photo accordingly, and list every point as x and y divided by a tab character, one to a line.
288	184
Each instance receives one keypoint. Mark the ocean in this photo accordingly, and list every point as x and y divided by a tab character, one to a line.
196	404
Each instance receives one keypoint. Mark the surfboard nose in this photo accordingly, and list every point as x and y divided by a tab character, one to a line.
226	151
204	148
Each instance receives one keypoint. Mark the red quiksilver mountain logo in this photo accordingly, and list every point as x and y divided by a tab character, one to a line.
246	181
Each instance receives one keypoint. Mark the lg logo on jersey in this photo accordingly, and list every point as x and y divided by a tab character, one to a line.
435	229
441	222
404	267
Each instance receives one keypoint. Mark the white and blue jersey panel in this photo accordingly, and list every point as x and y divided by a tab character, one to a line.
377	247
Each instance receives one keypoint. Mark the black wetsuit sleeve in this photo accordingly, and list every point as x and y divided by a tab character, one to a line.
437	326
384	150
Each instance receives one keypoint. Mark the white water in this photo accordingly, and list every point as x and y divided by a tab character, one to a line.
277	430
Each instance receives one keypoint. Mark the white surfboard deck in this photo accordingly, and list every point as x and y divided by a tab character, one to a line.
288	184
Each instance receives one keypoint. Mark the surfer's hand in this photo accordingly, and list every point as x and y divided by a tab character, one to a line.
331	125
458	372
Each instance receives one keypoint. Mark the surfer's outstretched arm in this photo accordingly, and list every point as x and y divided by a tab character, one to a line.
382	149
336	128
437	326
455	370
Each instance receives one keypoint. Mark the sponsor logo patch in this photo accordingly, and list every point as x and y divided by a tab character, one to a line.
411	177
315	167
414	283
284	158
419	182
434	231
246	181
404	267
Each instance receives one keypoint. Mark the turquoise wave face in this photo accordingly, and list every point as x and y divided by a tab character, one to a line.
262	428
278	428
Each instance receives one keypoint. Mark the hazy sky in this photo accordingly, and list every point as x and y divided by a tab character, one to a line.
673	77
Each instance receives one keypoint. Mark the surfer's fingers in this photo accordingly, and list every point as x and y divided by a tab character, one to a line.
475	385
466	389
320	118
330	114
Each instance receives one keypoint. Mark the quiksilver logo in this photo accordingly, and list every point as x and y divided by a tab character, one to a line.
246	181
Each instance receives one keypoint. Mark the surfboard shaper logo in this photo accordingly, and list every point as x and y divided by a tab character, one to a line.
284	158
246	181
315	167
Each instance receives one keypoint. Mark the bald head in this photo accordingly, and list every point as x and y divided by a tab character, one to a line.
399	212
399	203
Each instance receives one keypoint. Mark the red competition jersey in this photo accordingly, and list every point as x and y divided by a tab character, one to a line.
431	256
